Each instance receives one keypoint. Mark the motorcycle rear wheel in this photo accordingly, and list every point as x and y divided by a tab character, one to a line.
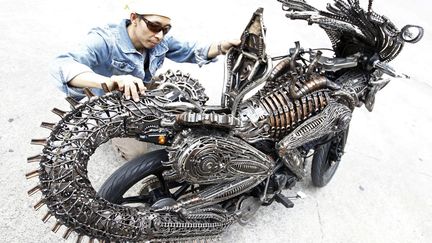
327	158
132	172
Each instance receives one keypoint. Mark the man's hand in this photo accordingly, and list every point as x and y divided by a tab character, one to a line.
225	45
128	84
222	47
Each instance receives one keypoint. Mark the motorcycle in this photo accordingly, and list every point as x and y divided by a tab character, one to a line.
220	164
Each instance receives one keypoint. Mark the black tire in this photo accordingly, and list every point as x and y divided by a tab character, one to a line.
131	173
327	158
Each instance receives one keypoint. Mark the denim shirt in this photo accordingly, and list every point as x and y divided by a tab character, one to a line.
109	51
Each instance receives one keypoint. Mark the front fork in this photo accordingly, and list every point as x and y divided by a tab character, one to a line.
333	119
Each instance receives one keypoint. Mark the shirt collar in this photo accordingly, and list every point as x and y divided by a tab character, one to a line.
123	38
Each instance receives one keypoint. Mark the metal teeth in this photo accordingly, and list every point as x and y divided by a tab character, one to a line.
105	88
39	141
67	233
38	205
34	190
88	93
48	125
79	239
33	174
56	227
46	217
59	112
72	102
34	159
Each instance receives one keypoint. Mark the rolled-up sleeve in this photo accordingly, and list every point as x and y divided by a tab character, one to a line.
90	53
191	52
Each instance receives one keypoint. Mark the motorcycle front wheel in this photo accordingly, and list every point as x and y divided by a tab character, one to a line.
327	158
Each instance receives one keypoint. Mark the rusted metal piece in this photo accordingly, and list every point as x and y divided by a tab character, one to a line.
39	141
280	68
105	88
33	174
67	233
286	113
39	204
48	125
88	93
79	239
59	112
34	190
34	159
56	227
46	217
72	102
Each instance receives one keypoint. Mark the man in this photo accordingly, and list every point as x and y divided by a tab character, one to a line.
126	56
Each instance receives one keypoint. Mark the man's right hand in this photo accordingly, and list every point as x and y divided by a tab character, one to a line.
128	84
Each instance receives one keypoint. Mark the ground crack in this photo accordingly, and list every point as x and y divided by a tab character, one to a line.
319	220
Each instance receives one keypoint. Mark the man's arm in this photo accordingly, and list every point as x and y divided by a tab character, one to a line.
221	48
130	85
193	52
74	70
88	80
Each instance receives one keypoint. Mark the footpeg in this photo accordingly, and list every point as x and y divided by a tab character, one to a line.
284	200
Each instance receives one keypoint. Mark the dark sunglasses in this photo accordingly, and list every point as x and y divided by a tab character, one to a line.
155	27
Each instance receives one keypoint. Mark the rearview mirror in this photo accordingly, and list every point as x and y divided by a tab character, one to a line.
411	33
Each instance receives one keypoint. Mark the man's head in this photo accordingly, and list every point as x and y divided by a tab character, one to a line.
149	23
146	7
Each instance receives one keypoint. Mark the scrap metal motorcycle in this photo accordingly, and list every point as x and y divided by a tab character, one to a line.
220	163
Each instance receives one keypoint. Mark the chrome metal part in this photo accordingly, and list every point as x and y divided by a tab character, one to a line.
275	115
215	158
247	206
347	23
334	118
64	181
248	66
228	159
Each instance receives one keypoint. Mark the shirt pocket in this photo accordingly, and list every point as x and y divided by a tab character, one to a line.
122	67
